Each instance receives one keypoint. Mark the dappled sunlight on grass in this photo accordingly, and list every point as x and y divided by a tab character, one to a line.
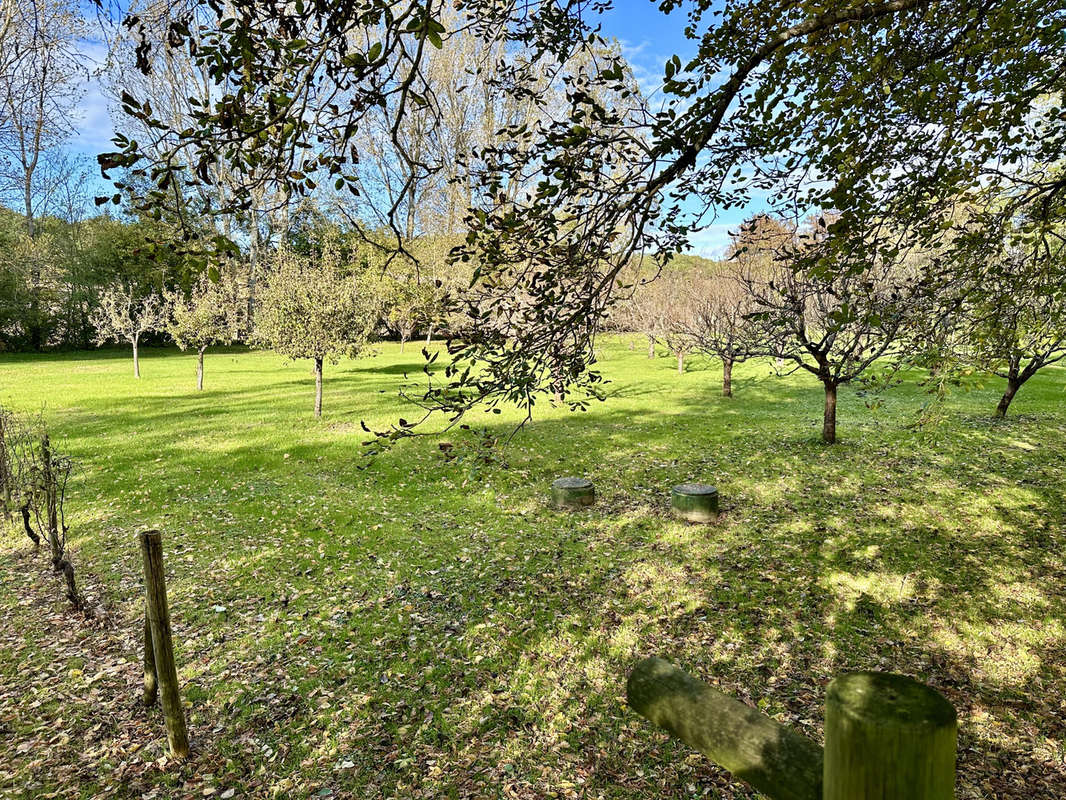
423	627
884	588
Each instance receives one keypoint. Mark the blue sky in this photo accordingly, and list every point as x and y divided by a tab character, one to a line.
648	39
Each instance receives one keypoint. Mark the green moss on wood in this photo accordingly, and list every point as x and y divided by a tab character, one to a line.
695	502
888	737
773	758
572	493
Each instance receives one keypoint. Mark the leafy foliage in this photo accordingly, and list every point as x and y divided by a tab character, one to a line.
211	314
313	307
891	110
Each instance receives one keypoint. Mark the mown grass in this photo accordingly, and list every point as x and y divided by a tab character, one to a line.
418	627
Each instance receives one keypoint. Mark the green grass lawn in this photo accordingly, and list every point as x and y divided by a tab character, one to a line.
428	628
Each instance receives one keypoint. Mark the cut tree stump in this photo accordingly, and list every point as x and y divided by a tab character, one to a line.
572	493
695	502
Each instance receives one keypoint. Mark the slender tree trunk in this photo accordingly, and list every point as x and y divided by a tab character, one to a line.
680	363
136	361
318	387
27	199
51	501
727	377
651	347
35	329
200	370
429	336
829	424
253	263
24	509
1013	385
403	341
6	474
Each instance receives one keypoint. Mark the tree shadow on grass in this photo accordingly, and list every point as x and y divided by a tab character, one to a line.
454	622
517	629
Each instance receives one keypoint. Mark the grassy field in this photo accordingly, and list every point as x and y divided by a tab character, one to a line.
422	628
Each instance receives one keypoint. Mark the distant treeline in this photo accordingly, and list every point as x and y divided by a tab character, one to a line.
50	283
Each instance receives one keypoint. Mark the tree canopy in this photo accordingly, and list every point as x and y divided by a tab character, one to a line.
893	113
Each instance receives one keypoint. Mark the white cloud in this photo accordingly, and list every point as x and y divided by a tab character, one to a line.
712	241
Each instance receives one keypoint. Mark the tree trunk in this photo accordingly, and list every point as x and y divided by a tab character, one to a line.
51	501
25	510
27	199
829	425
651	347
36	330
429	336
253	262
1013	385
136	361
67	569
403	341
727	377
680	363
200	370
318	387
6	475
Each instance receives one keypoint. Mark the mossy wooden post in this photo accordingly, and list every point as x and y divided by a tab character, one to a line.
162	646
695	502
773	758
151	682
572	493
888	737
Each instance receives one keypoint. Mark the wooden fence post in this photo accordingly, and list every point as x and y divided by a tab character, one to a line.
158	616
888	737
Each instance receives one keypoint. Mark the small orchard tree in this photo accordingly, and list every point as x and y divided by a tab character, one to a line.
719	323
409	303
641	312
125	316
833	324
661	308
1017	318
209	315
37	478
313	307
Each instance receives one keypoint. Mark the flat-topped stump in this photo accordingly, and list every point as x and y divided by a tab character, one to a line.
695	502
569	494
